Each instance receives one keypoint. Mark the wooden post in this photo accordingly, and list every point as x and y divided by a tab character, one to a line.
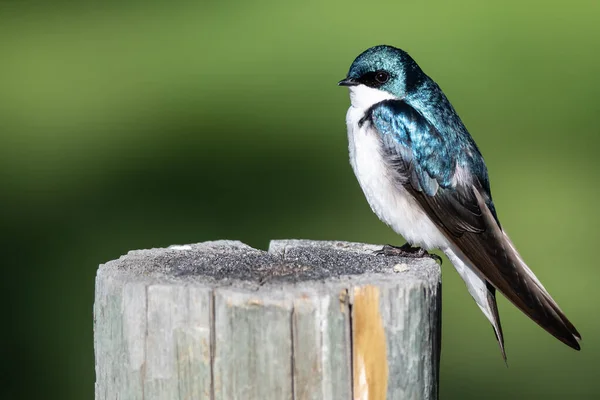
305	320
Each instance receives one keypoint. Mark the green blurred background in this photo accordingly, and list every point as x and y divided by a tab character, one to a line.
142	124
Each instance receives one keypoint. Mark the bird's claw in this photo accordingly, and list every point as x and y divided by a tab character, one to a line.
406	250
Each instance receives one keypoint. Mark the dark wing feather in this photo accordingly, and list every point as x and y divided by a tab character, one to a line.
462	208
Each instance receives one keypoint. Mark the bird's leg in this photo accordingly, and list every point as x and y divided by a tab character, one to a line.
406	250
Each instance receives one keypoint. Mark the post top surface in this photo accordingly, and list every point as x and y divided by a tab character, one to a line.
286	261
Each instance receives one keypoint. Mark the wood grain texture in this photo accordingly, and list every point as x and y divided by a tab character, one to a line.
369	349
321	336
253	347
305	320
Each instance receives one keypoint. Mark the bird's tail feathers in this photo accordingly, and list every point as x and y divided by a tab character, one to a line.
482	292
550	302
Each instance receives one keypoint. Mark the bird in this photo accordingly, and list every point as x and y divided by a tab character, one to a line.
423	175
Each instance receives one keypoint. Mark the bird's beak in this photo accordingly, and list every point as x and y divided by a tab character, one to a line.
348	82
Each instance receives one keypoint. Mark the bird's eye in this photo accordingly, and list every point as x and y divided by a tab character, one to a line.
382	76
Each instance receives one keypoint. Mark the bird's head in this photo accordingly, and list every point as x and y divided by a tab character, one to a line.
381	73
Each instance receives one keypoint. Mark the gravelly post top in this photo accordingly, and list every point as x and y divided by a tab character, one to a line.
305	320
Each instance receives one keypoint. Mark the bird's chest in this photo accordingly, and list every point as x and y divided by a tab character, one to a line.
369	165
379	182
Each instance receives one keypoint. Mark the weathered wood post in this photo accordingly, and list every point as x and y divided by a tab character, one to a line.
305	320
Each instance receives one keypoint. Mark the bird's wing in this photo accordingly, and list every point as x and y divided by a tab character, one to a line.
438	172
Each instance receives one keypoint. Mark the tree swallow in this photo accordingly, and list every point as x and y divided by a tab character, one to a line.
423	175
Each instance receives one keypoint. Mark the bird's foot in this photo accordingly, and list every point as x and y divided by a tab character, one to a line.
406	250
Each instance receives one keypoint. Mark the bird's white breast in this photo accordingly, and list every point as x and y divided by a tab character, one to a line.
388	200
